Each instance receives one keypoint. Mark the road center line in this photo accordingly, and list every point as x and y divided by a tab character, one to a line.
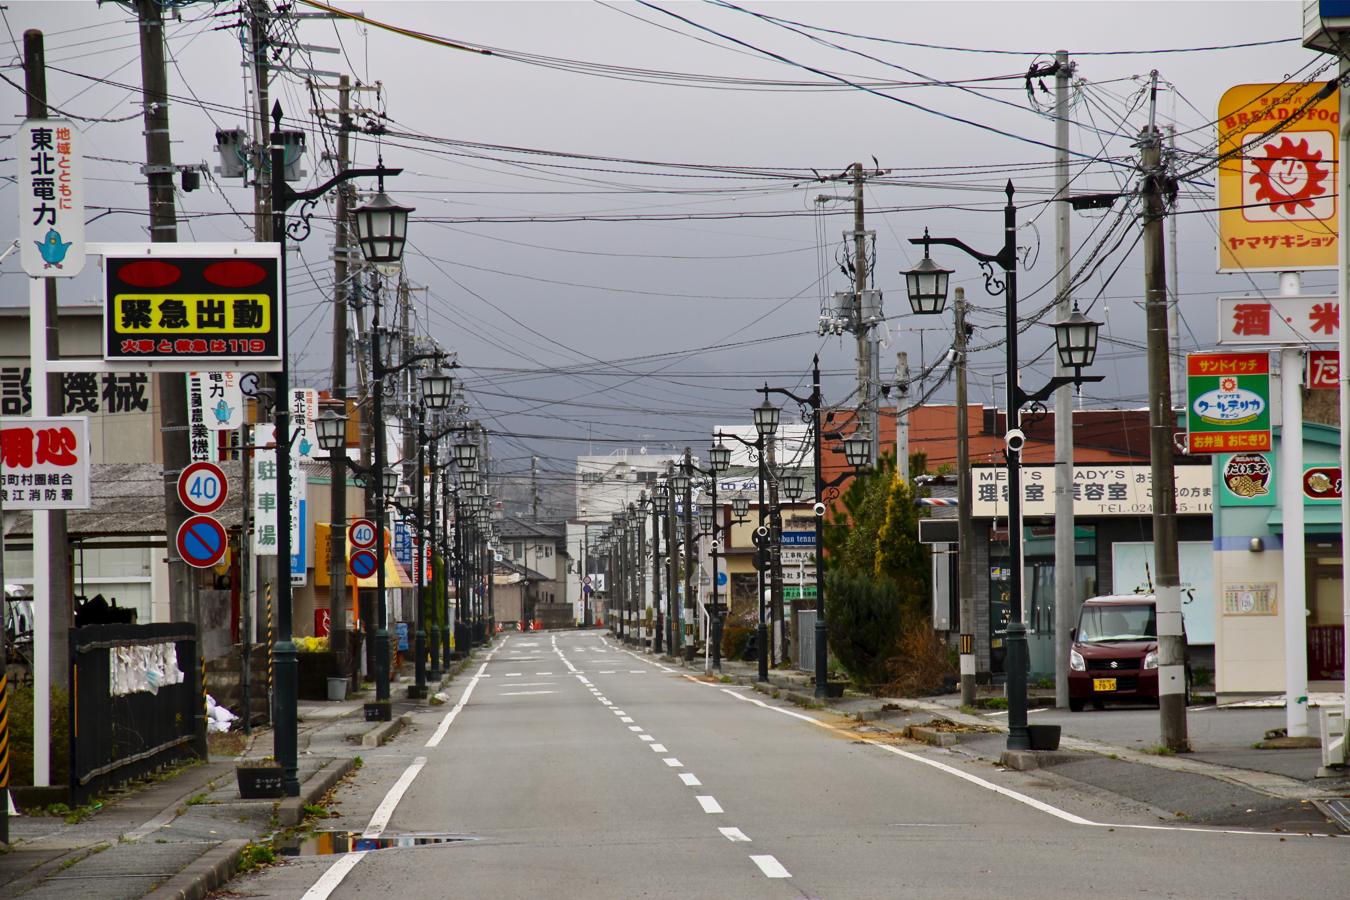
673	762
771	867
659	748
734	834
690	779
709	803
523	693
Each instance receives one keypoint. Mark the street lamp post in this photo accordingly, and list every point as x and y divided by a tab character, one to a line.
660	509
392	222
1076	342
680	494
857	452
720	459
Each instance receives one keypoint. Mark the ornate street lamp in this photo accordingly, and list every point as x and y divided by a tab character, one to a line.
858	449
766	418
436	389
1076	340
927	286
793	486
332	428
720	457
679	482
382	228
468	480
661	499
390	480
705	520
740	507
466	455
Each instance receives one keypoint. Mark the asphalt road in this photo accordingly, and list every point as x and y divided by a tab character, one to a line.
578	769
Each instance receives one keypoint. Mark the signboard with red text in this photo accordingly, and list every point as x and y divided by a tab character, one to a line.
1279	321
44	463
1227	402
1324	370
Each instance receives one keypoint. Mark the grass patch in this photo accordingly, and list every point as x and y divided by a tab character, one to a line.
992	703
357	763
315	811
255	856
1159	750
196	799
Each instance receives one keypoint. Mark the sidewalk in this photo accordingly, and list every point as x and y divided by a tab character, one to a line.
182	835
1225	780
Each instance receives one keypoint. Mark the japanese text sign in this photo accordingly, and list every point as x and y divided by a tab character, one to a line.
51	198
1100	490
193	309
44	463
1324	370
1273	321
1227	402
217	399
1277	194
81	392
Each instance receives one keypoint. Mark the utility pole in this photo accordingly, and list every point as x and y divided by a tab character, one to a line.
672	569
867	405
337	547
51	563
778	635
534	488
901	420
1167	576
690	554
1174	297
964	524
1066	601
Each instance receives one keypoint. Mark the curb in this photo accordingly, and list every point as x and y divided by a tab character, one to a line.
291	810
384	731
203	875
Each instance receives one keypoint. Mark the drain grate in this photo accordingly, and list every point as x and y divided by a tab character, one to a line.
328	843
1338	810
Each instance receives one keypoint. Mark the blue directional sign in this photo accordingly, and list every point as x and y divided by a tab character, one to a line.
201	542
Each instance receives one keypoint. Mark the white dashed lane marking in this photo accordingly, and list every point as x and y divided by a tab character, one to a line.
690	779
659	748
672	762
771	867
734	834
709	803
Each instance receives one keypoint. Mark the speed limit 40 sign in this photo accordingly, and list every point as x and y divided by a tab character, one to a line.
202	488
361	534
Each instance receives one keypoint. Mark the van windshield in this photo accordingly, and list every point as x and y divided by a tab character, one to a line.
1117	622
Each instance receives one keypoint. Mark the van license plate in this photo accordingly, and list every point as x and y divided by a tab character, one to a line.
1103	684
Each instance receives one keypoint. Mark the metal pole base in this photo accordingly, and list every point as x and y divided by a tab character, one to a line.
762	640
420	665
285	671
716	638
822	657
1016	664
381	664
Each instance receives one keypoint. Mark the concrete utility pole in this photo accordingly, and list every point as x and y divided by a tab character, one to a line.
337	497
964	524
51	539
1174	297
1066	601
867	348
1295	555
690	554
777	634
901	420
534	489
1343	292
672	570
1166	571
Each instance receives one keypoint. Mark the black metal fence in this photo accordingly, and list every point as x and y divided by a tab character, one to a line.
136	703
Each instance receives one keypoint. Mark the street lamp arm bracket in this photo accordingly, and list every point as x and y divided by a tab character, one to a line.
1059	381
993	285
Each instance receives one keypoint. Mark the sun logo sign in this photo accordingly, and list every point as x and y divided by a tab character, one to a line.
1290	181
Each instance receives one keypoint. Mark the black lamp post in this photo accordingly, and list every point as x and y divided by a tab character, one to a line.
720	459
619	590
660	509
1076	341
392	220
857	453
679	482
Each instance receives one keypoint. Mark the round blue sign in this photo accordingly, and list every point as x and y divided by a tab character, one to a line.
721	579
363	564
201	542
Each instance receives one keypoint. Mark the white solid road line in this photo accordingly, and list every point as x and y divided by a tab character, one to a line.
332	877
380	820
735	835
442	728
531	684
514	674
709	803
690	779
523	693
771	867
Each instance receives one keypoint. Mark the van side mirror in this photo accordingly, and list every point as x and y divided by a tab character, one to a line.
1073	634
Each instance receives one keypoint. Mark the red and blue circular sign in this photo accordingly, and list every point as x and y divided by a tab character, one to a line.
363	564
201	542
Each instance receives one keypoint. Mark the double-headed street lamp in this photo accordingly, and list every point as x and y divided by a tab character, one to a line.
385	225
766	417
857	451
1076	343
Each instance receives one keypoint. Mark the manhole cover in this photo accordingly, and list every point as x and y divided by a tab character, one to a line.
327	843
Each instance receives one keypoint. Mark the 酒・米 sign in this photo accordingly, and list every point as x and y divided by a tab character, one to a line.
44	463
1277	193
1272	321
1227	402
182	311
51	198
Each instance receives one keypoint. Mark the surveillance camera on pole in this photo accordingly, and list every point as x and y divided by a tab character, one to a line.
1015	440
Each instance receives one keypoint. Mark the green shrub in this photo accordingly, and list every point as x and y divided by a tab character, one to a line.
735	638
21	735
864	621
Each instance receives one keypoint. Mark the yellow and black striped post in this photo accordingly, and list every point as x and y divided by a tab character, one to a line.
206	710
270	644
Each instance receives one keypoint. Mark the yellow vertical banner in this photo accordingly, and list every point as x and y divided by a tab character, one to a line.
1277	192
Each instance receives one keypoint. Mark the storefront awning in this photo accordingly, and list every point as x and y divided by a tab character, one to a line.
1316	520
394	576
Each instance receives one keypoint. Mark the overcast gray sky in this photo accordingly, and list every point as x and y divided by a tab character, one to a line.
640	92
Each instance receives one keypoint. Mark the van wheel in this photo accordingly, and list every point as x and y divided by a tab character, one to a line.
1075	705
1099	704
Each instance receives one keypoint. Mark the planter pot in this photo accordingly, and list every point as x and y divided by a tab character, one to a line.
1043	737
259	782
690	653
835	689
379	711
337	689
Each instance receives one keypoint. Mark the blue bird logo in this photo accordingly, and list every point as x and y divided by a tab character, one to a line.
52	250
305	447
223	412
